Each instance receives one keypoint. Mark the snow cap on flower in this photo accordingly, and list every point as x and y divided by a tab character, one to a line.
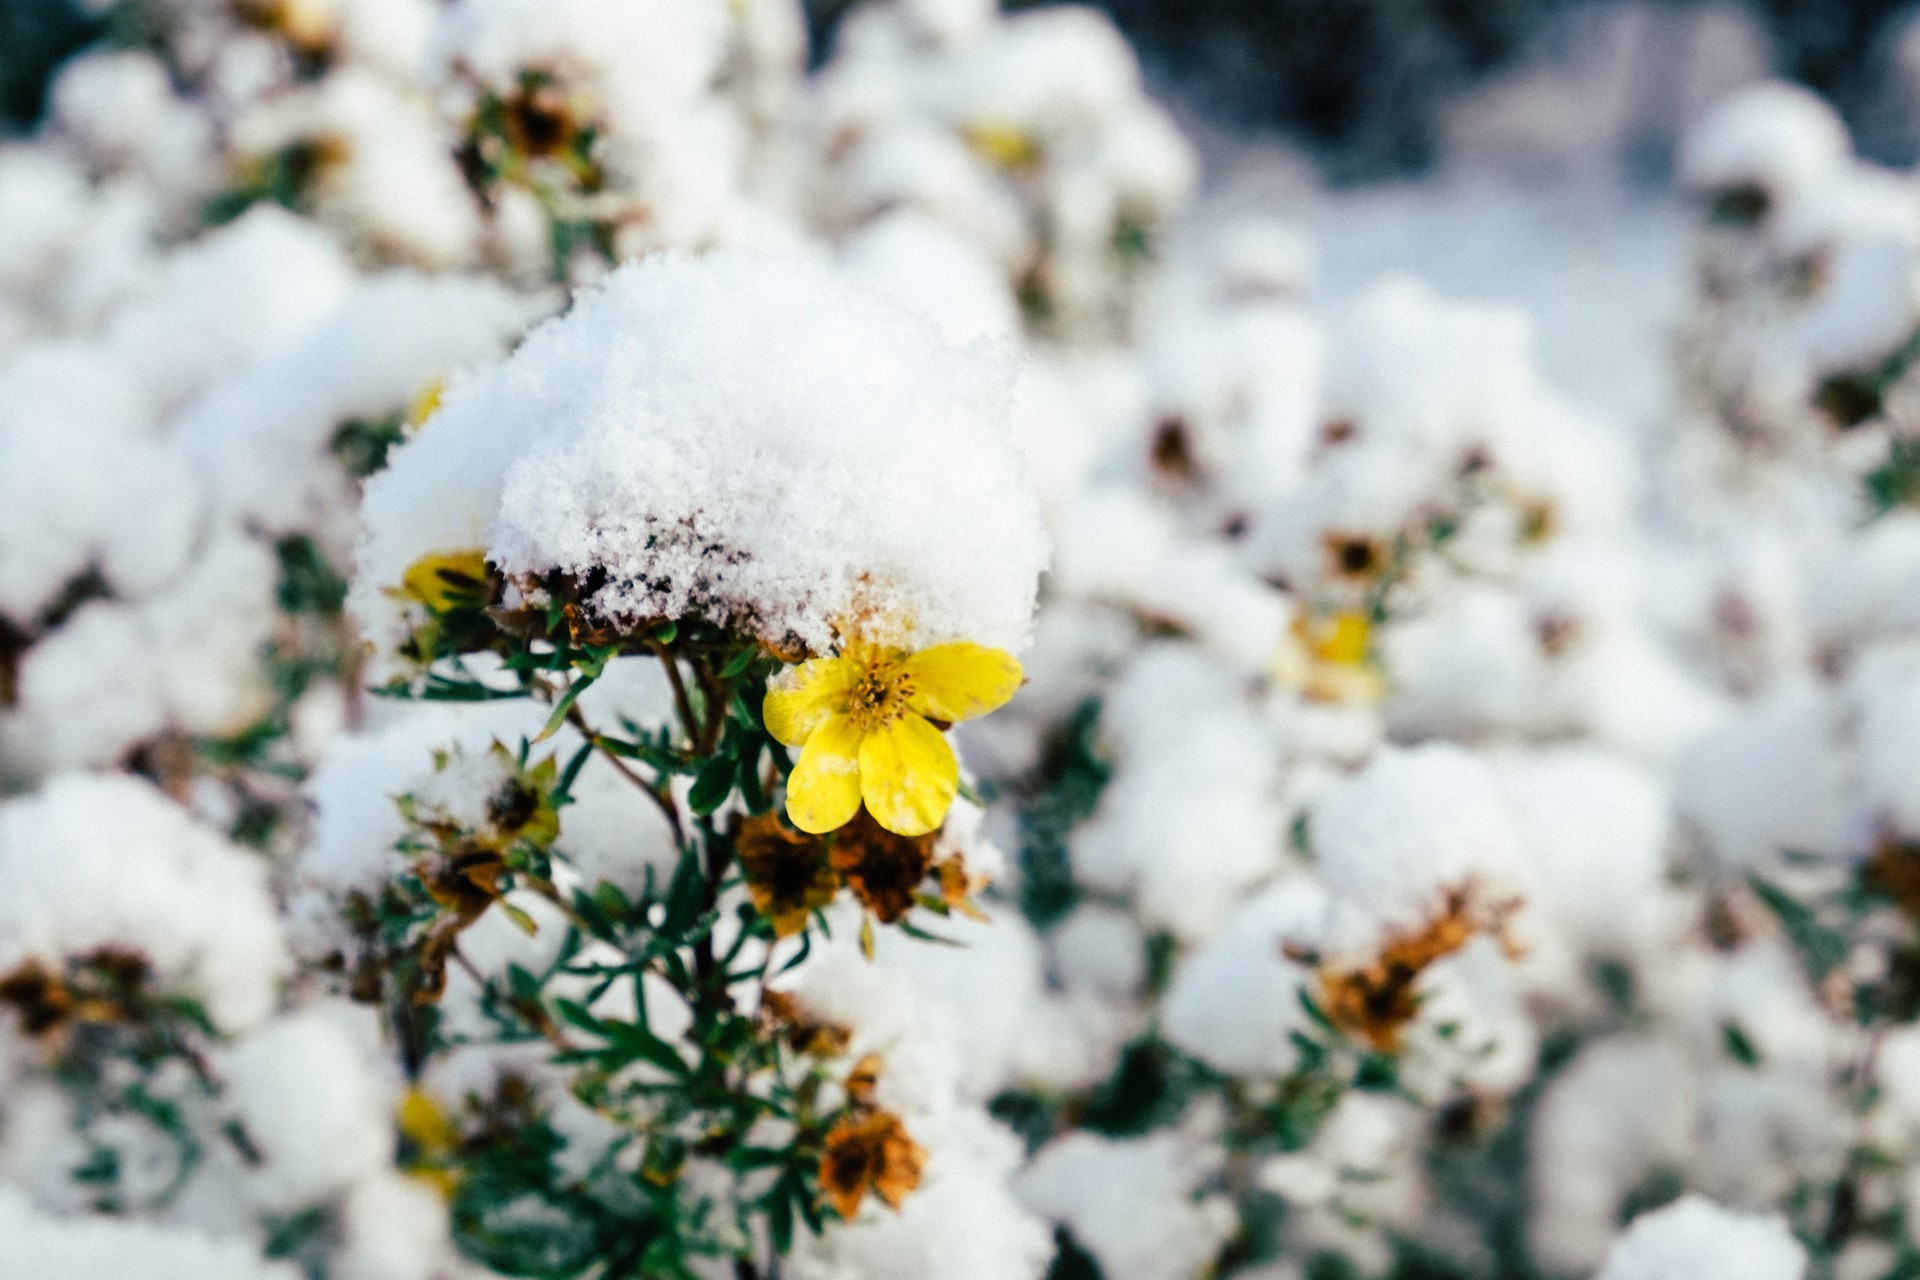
1414	827
1235	1003
1777	137
384	172
265	435
1696	1239
1190	821
1131	1202
747	439
307	1090
107	861
1620	1112
185	660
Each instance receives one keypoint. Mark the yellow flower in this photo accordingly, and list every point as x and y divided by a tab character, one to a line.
862	723
1001	143
445	580
429	1141
425	403
1330	659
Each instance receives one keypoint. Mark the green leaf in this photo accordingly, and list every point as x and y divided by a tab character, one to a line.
780	1215
1820	947
631	1044
572	1012
714	784
749	780
567	699
563	794
914	931
1737	1045
744	1158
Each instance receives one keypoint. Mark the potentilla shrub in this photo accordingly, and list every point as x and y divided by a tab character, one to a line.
716	558
523	757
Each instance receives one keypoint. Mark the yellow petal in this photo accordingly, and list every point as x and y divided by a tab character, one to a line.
1006	145
443	580
823	791
908	776
1345	638
800	699
960	681
425	402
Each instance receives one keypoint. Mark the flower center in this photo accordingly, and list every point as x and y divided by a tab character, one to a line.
880	696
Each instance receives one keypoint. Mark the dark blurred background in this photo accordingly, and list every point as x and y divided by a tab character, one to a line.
1360	83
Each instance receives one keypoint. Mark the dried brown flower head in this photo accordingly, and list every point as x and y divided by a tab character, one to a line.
869	1151
1376	1001
1894	870
1356	557
37	996
957	887
804	1031
787	872
104	986
884	870
538	119
1172	450
864	1080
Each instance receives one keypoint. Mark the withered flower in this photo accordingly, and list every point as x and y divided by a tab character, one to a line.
869	1151
787	872
863	1080
1337	431
1353	556
37	996
1172	450
465	882
104	986
1539	520
804	1032
538	119
1894	870
957	887
884	870
1557	633
1376	1001
523	808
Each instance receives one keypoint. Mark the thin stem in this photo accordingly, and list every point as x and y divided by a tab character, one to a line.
682	704
659	793
714	694
534	1014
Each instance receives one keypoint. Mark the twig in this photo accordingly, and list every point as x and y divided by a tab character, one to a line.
660	794
682	704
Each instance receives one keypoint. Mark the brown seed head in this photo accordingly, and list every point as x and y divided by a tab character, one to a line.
884	870
869	1151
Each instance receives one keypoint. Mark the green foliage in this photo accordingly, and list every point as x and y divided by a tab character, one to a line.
1070	1261
361	444
125	1053
1822	946
1896	482
308	584
285	178
737	1092
1059	793
1738	1045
